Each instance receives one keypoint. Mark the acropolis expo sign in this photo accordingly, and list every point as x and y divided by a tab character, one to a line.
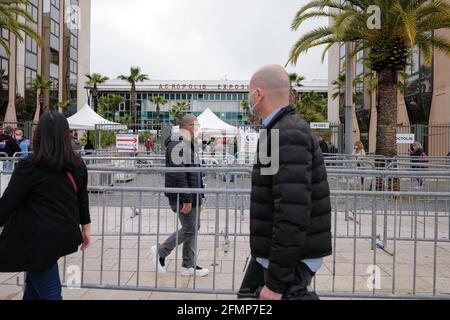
203	87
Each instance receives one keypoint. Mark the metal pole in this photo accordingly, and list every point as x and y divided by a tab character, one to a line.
348	99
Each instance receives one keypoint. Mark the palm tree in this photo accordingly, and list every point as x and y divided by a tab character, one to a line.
405	25
312	108
339	87
64	106
296	81
114	102
177	111
94	80
40	85
159	101
11	14
134	77
110	103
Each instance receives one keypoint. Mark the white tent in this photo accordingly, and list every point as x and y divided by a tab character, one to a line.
87	119
212	124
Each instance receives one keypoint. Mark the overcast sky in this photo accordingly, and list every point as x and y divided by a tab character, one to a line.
197	39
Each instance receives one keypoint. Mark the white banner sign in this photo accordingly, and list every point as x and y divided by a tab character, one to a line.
127	142
320	125
405	138
250	142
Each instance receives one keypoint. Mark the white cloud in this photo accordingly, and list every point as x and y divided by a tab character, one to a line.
197	39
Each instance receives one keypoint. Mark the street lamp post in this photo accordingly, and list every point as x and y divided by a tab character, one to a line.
348	99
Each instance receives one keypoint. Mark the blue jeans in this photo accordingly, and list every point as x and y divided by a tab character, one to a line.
45	285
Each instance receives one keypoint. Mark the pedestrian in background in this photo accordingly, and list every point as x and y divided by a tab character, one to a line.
45	210
24	144
418	156
359	154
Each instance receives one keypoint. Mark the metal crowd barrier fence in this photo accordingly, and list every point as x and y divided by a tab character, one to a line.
387	244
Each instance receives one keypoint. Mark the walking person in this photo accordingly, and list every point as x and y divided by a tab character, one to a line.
45	210
189	203
418	156
290	211
359	154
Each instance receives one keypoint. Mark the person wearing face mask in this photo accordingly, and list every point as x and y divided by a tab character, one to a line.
24	144
181	151
290	208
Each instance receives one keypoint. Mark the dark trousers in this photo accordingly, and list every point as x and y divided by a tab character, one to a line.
254	281
45	285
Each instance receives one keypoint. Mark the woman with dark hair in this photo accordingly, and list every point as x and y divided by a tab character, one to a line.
43	208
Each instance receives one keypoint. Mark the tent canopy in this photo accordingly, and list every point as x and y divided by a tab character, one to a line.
87	119
210	123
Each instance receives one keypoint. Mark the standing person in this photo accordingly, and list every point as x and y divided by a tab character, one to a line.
418	156
149	145
290	211
323	145
235	146
358	154
189	204
89	147
75	142
43	208
24	144
8	144
212	145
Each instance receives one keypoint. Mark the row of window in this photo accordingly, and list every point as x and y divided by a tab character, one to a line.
190	96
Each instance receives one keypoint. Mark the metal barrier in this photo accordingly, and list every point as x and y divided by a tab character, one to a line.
399	239
387	244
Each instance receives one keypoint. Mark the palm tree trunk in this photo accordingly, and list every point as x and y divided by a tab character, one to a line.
387	125
133	102
387	114
158	114
37	113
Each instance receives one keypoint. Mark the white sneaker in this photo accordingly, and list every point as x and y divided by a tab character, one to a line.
155	257
200	272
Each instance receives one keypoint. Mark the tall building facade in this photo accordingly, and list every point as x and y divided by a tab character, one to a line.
64	26
423	108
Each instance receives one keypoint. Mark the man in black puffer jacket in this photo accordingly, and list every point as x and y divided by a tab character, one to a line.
290	212
181	152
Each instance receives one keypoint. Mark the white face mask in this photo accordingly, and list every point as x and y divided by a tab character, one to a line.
251	105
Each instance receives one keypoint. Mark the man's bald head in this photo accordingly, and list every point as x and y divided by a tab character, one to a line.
270	88
188	121
274	79
189	126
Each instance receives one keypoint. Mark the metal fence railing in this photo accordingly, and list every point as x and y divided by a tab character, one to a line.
386	244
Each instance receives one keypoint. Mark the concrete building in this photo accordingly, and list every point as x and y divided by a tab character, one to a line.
223	97
64	26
